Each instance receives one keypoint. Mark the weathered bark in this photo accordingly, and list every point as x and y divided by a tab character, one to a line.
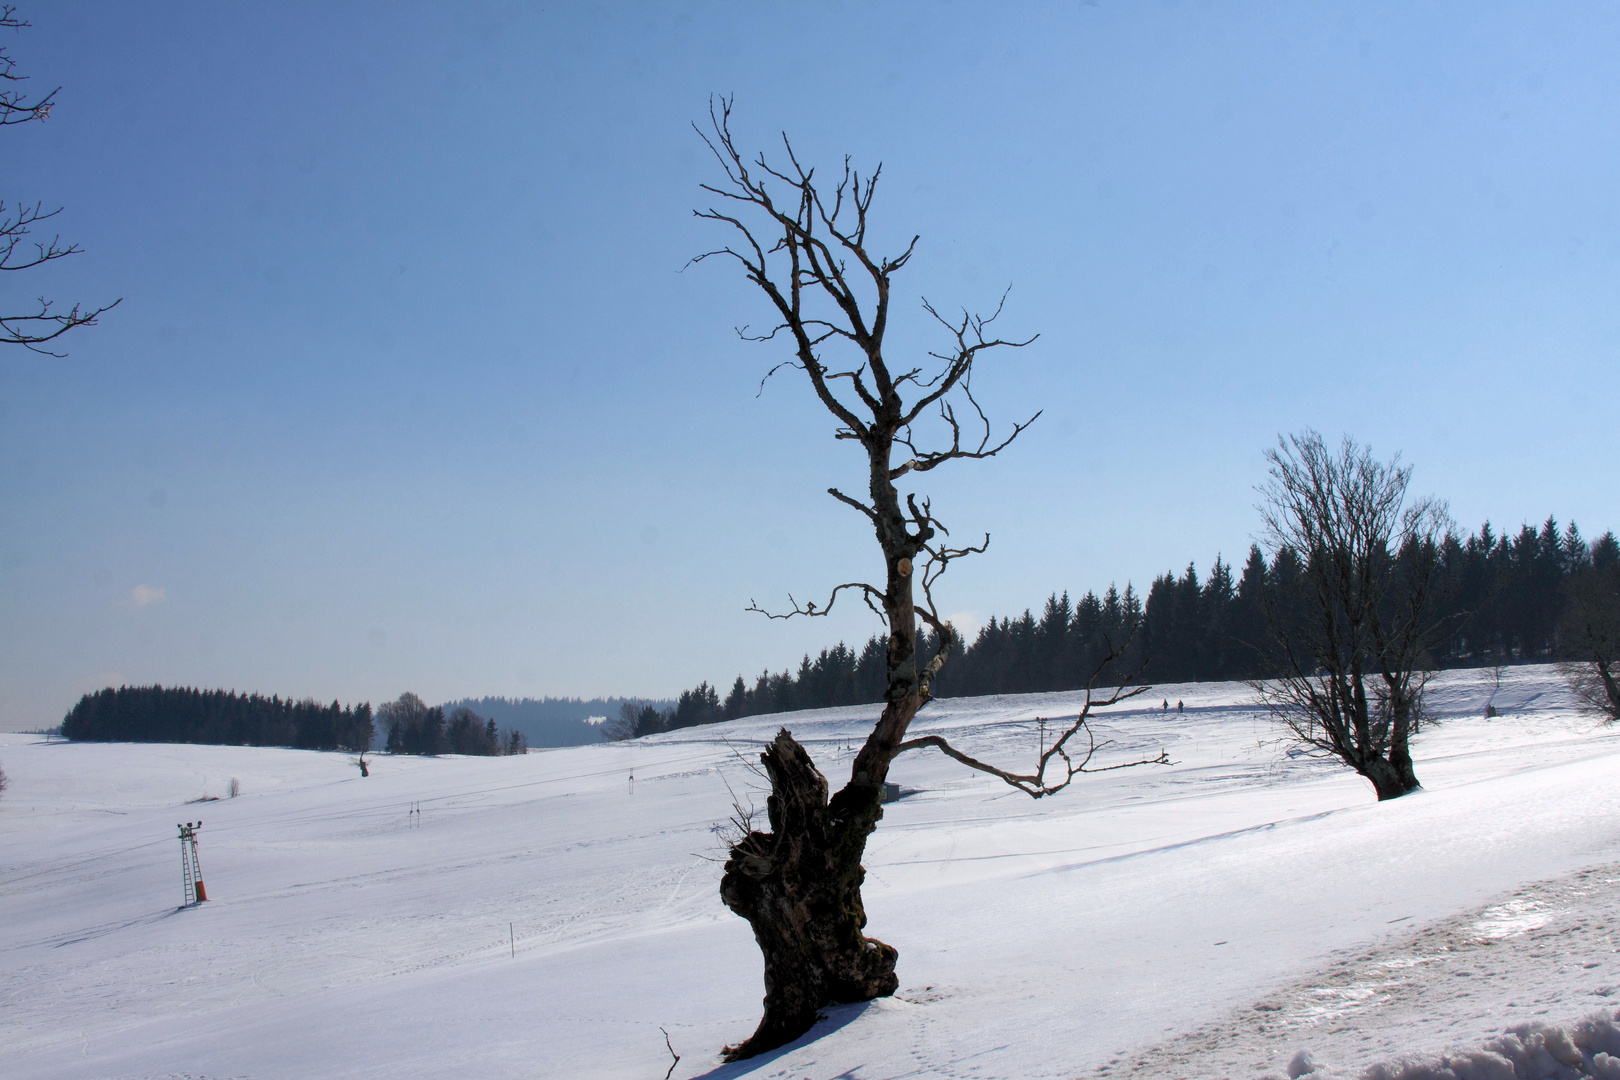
1404	706
1400	761
1390	780
799	887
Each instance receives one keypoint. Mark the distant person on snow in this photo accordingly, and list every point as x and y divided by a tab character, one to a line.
1178	706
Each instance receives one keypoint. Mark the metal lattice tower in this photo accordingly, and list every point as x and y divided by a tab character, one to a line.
190	869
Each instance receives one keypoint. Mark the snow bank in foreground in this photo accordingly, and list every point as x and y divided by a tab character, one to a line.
1587	1050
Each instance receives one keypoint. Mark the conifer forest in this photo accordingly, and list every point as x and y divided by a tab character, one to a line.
1503	596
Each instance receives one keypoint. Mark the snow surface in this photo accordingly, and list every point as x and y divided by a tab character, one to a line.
1240	913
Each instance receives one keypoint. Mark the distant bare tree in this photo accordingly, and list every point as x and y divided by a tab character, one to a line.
1493	677
804	245
33	328
1589	636
3	781
357	734
1351	648
621	727
635	719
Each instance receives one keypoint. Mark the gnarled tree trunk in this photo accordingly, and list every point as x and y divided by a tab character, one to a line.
1389	779
1400	761
799	887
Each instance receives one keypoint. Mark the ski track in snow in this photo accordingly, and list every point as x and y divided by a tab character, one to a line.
1207	919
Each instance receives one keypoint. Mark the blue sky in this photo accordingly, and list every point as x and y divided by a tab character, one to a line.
409	389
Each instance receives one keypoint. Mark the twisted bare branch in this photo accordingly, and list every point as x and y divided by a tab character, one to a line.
809	608
1064	764
856	503
33	328
15	107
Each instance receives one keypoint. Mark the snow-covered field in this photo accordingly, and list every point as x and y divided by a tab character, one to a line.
1210	918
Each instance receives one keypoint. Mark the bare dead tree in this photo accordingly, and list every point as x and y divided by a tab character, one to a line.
1351	645
635	719
1589	636
805	245
622	727
1493	677
40	324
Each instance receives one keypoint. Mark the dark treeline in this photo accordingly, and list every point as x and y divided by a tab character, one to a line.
185	715
1503	599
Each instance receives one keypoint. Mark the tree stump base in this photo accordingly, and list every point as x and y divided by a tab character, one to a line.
799	887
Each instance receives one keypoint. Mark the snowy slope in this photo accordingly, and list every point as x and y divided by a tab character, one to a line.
1140	915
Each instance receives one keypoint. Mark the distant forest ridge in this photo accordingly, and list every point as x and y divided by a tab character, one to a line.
551	721
1504	595
225	717
172	714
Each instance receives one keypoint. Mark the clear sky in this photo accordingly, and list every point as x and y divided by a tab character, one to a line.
409	390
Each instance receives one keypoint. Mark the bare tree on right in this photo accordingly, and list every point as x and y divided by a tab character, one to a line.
1589	638
1350	645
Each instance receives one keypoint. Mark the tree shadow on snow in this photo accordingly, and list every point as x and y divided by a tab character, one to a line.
832	1018
91	933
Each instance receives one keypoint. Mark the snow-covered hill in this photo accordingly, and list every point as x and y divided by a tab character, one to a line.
1209	918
